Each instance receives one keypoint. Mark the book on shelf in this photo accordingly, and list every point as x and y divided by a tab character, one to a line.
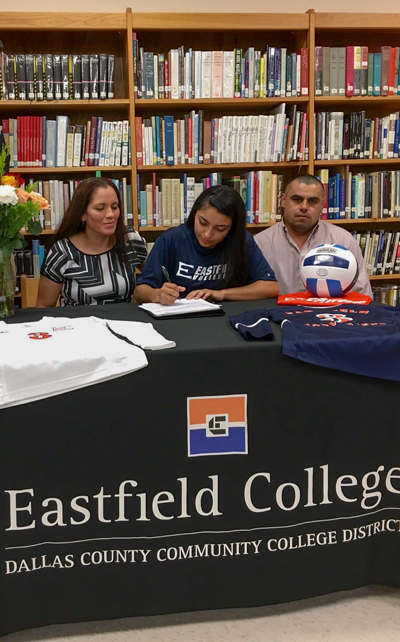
357	71
340	136
387	294
36	141
169	202
180	74
59	193
373	195
381	251
279	136
57	77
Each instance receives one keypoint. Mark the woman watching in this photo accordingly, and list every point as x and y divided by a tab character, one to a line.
92	257
211	256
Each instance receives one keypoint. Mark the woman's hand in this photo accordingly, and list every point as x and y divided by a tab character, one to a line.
214	295
169	293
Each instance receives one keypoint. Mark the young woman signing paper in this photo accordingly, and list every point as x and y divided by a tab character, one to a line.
210	257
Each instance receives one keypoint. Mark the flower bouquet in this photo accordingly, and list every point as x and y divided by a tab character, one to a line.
18	208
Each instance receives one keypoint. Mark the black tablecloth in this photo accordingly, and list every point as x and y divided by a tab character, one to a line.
104	514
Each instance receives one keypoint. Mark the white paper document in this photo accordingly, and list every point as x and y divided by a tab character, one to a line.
181	306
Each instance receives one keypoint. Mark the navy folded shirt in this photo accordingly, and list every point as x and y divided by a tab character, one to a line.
361	339
253	325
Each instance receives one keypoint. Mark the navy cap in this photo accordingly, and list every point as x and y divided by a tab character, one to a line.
253	325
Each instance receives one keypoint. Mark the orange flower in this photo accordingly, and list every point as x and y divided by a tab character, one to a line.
39	200
36	198
22	195
8	179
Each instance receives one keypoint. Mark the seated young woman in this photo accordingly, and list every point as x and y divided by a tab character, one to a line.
92	257
211	256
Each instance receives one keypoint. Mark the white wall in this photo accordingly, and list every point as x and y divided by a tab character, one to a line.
254	6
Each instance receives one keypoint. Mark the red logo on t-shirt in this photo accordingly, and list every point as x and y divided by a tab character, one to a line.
39	335
333	319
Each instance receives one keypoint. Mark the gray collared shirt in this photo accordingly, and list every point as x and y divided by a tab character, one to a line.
285	258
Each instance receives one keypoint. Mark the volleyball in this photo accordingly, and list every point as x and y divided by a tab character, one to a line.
329	270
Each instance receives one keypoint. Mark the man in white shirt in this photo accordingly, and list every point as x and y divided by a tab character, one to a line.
285	244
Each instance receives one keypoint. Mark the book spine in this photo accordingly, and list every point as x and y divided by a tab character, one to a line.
304	72
364	71
349	71
385	70
370	75
238	73
110	75
318	71
125	141
94	76
392	71
325	71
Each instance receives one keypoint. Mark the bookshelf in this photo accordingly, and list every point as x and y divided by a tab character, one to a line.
60	34
112	33
159	33
362	30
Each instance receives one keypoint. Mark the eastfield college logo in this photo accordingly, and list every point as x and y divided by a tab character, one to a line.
217	425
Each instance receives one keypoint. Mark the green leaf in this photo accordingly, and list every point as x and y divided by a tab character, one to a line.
35	228
14	244
5	152
31	188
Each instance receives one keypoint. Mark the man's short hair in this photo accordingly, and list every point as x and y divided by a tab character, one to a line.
306	179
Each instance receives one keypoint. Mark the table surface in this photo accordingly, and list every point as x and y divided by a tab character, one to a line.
309	429
189	334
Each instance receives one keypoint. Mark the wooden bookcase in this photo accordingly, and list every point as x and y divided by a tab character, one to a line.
71	33
374	30
160	32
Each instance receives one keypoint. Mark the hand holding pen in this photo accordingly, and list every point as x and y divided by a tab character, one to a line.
169	291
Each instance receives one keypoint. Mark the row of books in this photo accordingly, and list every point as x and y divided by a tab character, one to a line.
338	136
373	195
36	141
277	137
181	74
29	262
59	194
386	294
169	202
56	76
381	251
354	71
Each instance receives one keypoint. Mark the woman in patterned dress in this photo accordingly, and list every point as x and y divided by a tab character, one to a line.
93	256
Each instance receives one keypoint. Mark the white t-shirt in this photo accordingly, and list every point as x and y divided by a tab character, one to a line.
54	355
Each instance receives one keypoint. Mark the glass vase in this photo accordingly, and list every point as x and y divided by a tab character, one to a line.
7	286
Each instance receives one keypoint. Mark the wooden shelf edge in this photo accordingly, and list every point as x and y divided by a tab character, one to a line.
364	221
353	222
60	21
216	102
385	277
215	167
73	104
220	21
69	170
44	232
357	161
337	100
357	21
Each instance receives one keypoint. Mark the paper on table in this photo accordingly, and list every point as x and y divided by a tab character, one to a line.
181	306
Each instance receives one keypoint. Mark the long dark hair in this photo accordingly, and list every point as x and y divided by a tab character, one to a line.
228	202
72	221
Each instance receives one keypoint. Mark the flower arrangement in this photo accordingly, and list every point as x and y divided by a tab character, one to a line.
18	209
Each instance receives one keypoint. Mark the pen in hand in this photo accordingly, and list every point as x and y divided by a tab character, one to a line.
169	292
165	272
